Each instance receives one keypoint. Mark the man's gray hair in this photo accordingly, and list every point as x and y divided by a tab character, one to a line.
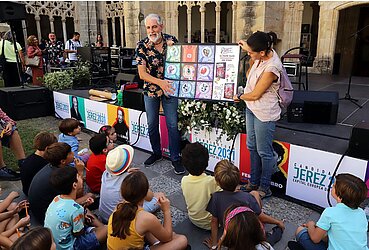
154	16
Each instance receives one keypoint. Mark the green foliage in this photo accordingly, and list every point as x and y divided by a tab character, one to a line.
58	80
82	74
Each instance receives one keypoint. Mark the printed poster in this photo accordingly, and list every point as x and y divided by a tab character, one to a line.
218	150
203	71
279	178
226	72
118	117
77	109
142	128
61	105
96	114
310	171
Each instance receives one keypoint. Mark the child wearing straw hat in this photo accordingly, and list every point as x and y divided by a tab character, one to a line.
118	167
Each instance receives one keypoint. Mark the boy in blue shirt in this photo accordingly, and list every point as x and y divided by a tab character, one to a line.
345	224
66	218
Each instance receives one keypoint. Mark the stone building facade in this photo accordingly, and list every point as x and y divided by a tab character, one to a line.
318	26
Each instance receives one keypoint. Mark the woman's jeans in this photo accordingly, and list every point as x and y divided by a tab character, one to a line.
260	144
170	106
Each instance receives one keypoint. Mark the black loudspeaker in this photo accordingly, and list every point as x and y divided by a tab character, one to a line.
99	57
11	11
133	99
28	102
313	107
359	141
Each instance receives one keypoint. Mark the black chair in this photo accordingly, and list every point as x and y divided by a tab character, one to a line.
303	61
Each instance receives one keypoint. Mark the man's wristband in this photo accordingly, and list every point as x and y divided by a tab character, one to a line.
239	96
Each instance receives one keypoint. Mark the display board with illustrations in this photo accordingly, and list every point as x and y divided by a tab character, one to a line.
203	71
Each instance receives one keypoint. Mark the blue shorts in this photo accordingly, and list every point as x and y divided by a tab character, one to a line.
304	239
5	141
87	241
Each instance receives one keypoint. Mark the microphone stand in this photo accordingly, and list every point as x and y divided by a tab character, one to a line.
347	95
16	54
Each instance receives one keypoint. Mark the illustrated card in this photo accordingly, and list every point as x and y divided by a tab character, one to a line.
187	89
229	90
175	85
189	53
206	53
188	71
205	72
173	53
172	71
203	90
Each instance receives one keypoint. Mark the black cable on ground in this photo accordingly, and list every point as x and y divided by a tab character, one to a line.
333	175
139	129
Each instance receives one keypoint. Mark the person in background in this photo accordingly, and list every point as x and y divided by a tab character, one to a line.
262	107
99	41
109	131
71	48
150	53
32	51
37	238
100	145
9	137
36	161
54	50
10	72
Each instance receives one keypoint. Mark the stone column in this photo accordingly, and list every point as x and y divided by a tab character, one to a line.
51	19
24	27
106	33
234	13
122	30
37	18
217	22
113	29
202	13
175	22
64	24
189	24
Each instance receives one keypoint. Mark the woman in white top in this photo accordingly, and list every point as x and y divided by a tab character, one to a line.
262	107
243	230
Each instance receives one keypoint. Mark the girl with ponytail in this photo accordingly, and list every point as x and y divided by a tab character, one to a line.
262	107
130	225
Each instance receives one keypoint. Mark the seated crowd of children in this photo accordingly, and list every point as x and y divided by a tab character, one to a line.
63	183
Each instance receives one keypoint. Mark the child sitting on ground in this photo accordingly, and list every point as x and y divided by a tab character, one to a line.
118	167
345	224
109	131
100	146
227	176
41	193
70	128
39	238
36	161
130	225
66	218
242	223
9	219
195	158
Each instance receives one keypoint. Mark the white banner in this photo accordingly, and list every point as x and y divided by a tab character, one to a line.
218	150
134	127
61	105
310	171
96	115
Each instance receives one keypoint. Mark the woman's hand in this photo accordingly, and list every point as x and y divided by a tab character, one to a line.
242	44
8	129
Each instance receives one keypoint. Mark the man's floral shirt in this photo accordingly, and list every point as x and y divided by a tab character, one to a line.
147	55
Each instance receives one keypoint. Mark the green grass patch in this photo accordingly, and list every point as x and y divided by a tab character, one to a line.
27	133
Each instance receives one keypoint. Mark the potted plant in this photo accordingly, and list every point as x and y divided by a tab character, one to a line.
58	80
